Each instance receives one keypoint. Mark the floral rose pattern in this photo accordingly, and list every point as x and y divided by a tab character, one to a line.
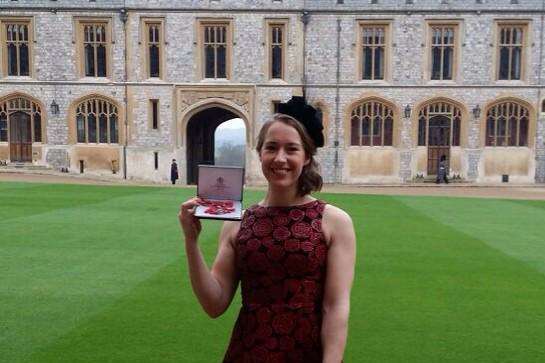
281	258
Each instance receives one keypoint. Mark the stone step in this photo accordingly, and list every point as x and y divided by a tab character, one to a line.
24	166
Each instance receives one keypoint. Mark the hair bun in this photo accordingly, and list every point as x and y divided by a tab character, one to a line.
307	115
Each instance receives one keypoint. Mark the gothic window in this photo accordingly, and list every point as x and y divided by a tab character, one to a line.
442	52
507	125
373	52
510	51
17	48
26	106
372	124
95	49
154	49
277	50
450	125
97	122
216	43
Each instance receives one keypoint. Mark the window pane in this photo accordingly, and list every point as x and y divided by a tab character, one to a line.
456	132
379	63
92	128
377	131
523	132
515	63
24	61
355	131
221	62
512	134
12	60
422	132
447	62
209	61
502	131
80	121
367	60
37	128
504	63
103	128
113	129
101	61
3	128
366	131
276	62
154	61
436	63
388	131
490	133
89	61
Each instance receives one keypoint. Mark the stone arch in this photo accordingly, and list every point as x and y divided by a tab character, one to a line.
326	121
208	103
464	129
372	98
201	120
72	110
23	121
532	122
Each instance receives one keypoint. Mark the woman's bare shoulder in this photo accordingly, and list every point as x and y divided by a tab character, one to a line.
336	222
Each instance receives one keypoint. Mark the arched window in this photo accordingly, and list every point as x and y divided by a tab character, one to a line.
372	124
18	108
97	122
507	125
439	123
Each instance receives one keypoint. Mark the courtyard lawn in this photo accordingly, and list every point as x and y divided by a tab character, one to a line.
98	274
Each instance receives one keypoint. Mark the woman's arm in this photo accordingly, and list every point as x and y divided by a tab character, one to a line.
216	287
339	231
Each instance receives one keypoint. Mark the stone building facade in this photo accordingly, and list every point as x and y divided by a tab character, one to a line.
488	123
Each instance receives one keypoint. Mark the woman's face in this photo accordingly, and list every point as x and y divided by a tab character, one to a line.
282	155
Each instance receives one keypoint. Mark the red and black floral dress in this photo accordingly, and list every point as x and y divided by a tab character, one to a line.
281	262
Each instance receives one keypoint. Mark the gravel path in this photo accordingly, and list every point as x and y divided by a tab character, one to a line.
458	190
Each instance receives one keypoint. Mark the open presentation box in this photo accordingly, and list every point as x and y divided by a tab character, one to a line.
220	188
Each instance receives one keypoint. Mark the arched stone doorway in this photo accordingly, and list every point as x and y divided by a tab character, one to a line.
200	138
439	125
21	125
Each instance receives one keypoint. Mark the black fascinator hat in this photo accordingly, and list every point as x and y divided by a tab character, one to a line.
307	115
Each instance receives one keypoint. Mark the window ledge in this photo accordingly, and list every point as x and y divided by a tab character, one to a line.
378	82
505	82
366	147
440	82
18	78
278	81
96	79
215	80
95	145
154	80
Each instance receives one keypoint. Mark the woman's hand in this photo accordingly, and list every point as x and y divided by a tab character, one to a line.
191	225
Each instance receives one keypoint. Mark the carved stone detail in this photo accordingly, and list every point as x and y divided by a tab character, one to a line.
190	97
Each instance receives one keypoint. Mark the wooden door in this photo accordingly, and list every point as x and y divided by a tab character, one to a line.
20	137
438	142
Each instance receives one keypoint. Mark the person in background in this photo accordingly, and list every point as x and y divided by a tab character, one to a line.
173	172
442	170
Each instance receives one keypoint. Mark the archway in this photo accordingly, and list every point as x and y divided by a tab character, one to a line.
20	125
200	138
439	126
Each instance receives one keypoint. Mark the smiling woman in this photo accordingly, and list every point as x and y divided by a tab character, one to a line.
294	255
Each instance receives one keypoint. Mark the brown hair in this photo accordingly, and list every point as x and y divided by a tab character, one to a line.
309	180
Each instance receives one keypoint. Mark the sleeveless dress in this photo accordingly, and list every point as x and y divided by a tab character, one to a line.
281	258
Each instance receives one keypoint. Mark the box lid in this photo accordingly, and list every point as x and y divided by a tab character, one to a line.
220	182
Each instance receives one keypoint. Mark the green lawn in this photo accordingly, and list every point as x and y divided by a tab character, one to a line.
98	274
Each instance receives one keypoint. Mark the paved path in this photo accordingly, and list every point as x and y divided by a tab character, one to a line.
508	191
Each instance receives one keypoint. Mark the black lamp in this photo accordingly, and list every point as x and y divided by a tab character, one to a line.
54	108
407	111
476	111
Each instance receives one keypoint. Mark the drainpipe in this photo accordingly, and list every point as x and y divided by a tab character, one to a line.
337	101
124	17
305	18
